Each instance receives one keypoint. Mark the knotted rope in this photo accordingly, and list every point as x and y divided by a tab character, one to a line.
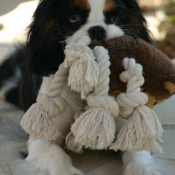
76	147
95	128
83	78
37	120
84	70
143	127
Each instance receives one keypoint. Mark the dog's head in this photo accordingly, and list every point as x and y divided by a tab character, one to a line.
57	22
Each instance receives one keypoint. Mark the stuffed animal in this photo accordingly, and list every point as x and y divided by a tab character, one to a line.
158	70
112	84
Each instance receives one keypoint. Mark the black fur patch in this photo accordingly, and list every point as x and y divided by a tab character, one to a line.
23	155
8	70
25	92
127	15
45	48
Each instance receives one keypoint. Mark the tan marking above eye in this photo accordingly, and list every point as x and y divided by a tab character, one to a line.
109	5
83	4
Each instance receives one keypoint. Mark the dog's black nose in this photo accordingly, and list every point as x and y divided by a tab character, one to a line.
97	33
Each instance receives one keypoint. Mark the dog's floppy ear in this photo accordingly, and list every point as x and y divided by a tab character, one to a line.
44	49
136	22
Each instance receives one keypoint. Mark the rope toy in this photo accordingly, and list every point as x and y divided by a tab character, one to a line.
95	128
37	121
143	127
84	71
87	72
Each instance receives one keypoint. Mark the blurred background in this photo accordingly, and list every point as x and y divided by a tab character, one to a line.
15	15
160	15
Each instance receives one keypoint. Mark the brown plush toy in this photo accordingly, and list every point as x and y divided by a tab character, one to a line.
158	70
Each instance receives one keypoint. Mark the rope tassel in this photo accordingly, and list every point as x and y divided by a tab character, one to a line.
84	70
95	128
80	63
37	121
143	127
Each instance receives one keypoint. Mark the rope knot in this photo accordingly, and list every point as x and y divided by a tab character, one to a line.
134	79
143	127
129	101
84	70
106	102
136	71
95	128
53	106
37	120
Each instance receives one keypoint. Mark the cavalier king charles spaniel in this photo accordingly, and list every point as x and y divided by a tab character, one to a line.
31	69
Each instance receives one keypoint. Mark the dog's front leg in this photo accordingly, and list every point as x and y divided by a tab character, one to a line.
139	163
49	157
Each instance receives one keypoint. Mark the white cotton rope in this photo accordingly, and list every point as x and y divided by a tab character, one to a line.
37	120
88	73
95	128
84	70
143	127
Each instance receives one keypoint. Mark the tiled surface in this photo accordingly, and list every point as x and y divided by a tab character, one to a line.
11	136
112	168
168	145
166	111
99	162
168	167
165	166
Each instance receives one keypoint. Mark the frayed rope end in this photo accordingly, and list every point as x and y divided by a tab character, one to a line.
94	129
38	124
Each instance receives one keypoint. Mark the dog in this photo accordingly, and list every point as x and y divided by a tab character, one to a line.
31	69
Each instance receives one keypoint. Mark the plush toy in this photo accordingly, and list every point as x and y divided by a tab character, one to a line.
94	71
158	70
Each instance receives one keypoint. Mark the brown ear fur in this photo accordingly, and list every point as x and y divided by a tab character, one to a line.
158	70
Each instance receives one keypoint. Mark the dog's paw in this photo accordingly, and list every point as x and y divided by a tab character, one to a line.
139	169
68	170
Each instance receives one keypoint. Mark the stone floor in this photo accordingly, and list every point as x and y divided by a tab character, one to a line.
12	138
12	25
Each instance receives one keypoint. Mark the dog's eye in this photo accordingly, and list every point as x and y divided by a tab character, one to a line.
74	18
114	19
